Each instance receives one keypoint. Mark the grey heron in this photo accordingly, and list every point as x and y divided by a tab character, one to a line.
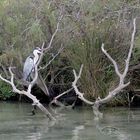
30	63
28	70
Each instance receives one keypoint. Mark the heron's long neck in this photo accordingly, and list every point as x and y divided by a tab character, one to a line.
36	57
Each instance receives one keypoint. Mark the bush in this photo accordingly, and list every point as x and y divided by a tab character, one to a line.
5	91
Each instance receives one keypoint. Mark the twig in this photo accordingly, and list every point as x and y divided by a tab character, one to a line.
54	34
44	67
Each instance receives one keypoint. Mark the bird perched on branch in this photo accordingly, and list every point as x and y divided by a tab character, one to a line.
29	68
30	63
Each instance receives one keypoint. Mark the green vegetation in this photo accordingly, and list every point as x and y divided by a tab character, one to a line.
5	91
25	24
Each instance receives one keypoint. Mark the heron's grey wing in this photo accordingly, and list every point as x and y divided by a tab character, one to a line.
28	67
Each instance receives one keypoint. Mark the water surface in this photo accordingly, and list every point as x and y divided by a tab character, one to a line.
16	123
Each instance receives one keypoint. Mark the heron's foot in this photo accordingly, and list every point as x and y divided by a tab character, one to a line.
33	110
74	103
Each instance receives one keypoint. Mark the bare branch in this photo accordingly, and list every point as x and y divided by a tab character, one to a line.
44	67
44	50
112	60
42	53
54	34
80	95
11	82
131	48
65	92
5	80
4	70
121	84
56	102
27	93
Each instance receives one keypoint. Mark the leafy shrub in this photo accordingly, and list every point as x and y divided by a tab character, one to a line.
5	91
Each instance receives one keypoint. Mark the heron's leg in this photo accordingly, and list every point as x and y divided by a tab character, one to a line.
19	99
74	103
33	110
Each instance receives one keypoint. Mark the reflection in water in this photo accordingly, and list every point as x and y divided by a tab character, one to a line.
35	136
76	132
115	132
16	123
111	131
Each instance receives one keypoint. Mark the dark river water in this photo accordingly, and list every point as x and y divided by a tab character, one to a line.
16	123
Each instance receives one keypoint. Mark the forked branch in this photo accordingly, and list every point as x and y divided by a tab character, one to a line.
80	95
44	67
121	76
55	100
28	92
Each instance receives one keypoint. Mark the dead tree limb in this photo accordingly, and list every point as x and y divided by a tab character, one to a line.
121	76
54	34
80	95
44	67
55	100
28	92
